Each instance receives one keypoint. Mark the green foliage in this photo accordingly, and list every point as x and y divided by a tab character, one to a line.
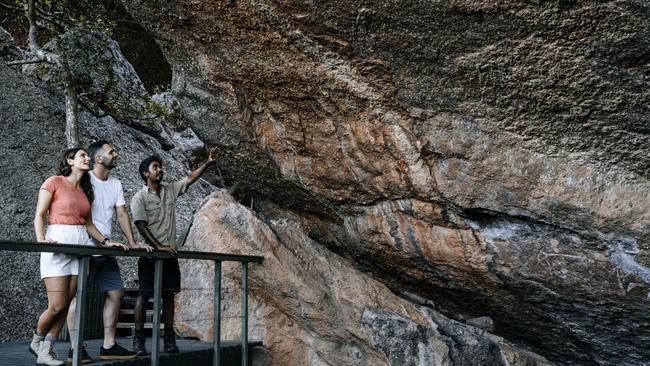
105	82
60	15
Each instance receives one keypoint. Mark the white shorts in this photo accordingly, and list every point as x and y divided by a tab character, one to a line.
58	264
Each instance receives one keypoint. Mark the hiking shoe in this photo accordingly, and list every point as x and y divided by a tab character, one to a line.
116	352
170	341
47	355
138	345
85	357
35	344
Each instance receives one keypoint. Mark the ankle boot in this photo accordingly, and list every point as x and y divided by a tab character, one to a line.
47	355
138	345
35	344
170	341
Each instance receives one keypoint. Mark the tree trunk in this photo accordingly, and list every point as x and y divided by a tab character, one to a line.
71	99
71	112
31	36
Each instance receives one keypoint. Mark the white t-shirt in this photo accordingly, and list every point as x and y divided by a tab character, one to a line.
108	195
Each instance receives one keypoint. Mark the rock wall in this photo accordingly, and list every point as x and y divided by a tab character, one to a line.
491	156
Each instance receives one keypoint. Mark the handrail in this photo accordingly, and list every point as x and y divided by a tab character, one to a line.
26	246
85	251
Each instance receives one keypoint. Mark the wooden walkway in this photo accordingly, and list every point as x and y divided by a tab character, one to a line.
195	353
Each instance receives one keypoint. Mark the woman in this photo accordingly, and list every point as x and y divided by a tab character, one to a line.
66	200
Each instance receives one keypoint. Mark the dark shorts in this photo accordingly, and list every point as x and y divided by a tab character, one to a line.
171	276
105	273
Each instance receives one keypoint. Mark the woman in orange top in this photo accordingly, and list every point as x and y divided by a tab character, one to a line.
66	201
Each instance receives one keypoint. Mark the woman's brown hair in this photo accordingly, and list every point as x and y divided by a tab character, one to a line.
65	169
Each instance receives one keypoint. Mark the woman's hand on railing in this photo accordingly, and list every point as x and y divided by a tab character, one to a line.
47	241
112	244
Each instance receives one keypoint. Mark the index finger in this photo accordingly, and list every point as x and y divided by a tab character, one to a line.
212	151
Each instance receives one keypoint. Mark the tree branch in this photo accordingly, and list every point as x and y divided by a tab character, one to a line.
93	112
42	14
7	6
127	30
31	38
220	178
25	62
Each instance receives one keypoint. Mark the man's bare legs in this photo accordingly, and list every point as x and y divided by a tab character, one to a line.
167	311
110	315
168	319
139	312
138	318
168	316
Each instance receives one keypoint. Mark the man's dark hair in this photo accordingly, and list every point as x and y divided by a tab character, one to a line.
144	165
95	147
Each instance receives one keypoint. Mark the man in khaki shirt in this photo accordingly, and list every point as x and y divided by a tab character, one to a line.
154	214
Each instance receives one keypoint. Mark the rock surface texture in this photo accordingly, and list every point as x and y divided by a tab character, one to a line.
309	306
490	156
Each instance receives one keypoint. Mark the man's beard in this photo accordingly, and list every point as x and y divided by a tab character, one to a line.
108	163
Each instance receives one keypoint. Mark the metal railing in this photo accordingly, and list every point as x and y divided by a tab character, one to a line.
84	252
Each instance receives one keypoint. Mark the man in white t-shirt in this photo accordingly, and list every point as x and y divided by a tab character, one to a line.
104	270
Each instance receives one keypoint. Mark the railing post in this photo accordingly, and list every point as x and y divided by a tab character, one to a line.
80	314
157	299
244	311
216	330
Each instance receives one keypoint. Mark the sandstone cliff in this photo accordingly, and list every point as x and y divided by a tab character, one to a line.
490	156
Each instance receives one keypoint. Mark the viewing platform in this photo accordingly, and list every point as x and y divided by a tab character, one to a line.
194	353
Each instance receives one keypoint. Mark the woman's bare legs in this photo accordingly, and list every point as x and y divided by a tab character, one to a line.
60	290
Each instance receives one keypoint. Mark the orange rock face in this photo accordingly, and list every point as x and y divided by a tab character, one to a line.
490	156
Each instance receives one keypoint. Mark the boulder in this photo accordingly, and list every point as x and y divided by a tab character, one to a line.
312	307
8	49
6	41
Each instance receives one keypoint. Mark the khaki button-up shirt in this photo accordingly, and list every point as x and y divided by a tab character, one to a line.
159	211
